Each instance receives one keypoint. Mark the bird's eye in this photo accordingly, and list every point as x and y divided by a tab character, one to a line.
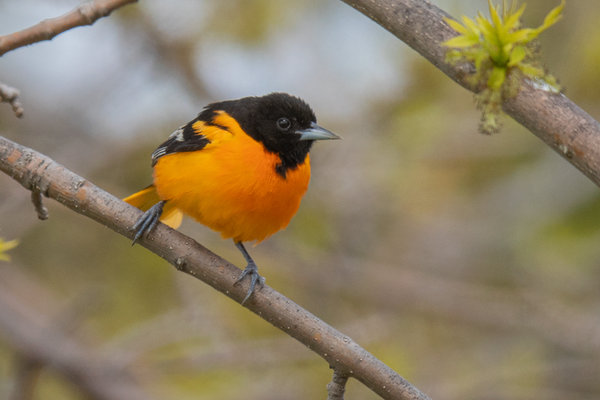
283	124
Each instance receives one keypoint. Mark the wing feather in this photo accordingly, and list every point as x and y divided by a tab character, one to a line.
186	138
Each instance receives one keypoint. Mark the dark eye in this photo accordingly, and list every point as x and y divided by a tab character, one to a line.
283	124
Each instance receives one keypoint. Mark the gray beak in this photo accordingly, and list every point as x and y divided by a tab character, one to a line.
315	132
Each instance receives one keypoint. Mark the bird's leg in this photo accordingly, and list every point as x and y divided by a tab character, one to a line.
144	225
252	270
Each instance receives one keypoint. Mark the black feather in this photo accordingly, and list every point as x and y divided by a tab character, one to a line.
184	139
258	117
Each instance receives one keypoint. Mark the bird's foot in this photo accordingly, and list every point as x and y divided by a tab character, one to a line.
148	221
255	279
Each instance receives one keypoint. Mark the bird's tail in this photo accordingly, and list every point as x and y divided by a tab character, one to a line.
146	198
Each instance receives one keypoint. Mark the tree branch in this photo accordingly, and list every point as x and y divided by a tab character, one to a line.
41	344
40	209
10	95
34	170
555	119
337	387
85	14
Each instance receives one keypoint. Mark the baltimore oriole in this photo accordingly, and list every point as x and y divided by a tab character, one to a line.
240	167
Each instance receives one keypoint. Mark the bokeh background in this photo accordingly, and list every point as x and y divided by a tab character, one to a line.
470	264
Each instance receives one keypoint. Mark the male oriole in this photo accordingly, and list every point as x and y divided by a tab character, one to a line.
240	167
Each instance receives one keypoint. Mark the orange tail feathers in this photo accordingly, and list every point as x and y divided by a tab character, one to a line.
146	198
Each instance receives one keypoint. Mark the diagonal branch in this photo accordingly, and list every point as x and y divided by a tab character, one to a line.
34	170
41	344
85	14
555	119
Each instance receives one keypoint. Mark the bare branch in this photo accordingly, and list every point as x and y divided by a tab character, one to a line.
32	169
85	14
552	117
43	345
36	199
10	95
337	387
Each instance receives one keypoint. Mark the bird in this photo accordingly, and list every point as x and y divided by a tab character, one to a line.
241	168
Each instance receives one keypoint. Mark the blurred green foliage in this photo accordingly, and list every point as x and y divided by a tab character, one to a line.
6	245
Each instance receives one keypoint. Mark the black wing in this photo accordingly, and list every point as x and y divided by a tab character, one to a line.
183	139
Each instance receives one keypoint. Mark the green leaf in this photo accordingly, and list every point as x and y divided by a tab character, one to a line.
516	56
5	246
498	26
460	41
512	20
554	15
486	28
522	35
456	26
503	55
497	77
471	25
494	14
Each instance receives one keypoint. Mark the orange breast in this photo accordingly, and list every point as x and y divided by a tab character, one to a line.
231	185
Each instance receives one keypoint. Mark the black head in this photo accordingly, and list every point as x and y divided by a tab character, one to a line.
284	124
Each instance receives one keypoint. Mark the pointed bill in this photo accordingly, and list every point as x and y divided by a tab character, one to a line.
316	132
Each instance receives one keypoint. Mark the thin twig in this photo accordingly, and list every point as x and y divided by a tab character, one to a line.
10	95
85	14
338	350
42	344
337	387
36	199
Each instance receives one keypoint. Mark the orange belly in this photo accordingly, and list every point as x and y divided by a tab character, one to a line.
232	187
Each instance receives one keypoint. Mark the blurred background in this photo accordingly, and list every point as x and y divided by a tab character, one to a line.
469	264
